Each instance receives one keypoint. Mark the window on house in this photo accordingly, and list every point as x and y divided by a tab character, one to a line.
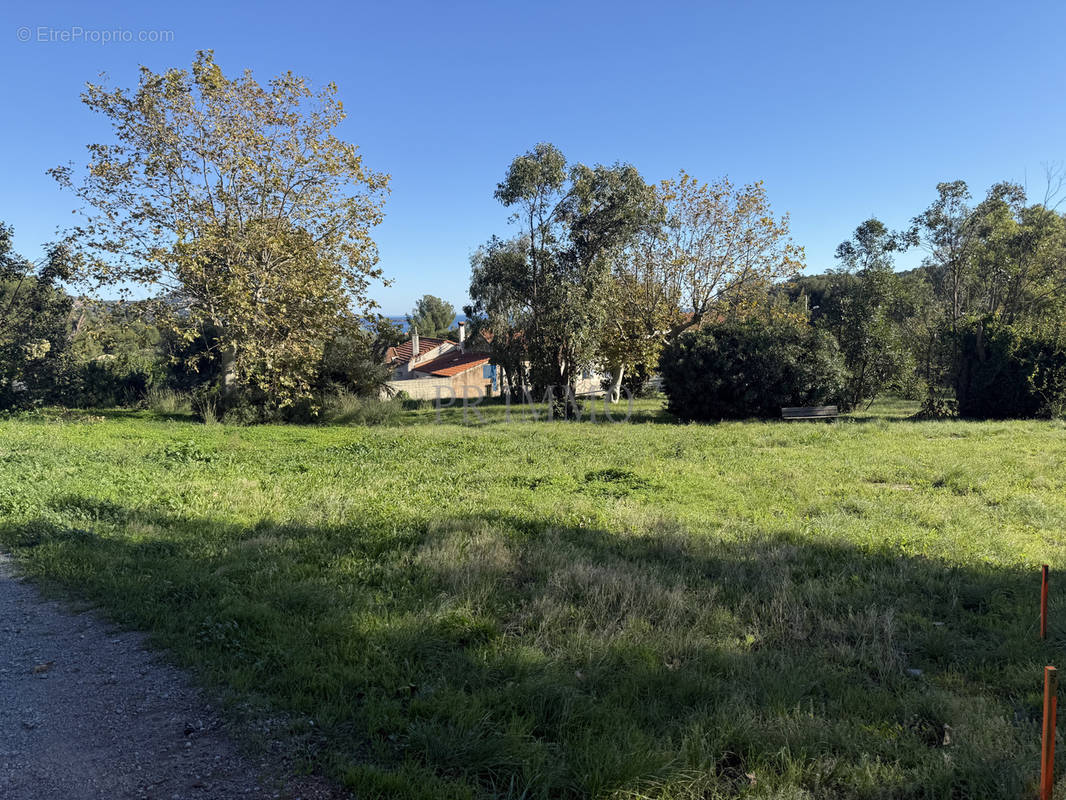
488	372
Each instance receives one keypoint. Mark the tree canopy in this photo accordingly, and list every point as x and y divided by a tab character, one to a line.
715	248
34	320
240	199
431	316
553	278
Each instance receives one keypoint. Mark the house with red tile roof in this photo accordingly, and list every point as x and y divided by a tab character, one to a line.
428	368
416	350
452	363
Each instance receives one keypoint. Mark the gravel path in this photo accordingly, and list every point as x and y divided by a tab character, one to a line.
87	713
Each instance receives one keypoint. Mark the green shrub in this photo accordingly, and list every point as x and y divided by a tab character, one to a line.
350	364
107	381
207	404
244	407
344	408
1004	373
167	401
750	368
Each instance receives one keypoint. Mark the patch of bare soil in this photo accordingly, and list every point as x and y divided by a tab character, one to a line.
87	713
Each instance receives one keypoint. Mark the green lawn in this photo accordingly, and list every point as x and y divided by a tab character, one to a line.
524	610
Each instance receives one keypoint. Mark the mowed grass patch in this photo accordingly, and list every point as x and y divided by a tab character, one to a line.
580	610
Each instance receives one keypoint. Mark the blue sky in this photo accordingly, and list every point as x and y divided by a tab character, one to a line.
845	110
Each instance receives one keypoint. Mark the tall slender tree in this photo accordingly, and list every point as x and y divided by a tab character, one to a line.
555	275
860	309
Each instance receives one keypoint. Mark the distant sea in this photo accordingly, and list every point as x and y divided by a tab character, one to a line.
402	320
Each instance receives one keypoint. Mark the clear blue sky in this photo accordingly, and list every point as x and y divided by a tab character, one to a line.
845	109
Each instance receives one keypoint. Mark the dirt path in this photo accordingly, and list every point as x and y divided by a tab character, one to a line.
87	713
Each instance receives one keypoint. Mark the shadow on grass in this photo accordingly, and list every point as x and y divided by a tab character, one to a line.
870	416
887	409
479	412
496	410
500	656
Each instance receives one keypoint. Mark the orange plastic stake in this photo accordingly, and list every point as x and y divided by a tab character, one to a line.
1043	602
1047	744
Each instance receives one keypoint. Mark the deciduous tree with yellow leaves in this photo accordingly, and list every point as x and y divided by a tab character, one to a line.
719	247
239	200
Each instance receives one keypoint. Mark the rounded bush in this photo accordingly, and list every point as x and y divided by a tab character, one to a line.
750	368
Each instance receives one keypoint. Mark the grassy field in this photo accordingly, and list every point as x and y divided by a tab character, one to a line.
526	610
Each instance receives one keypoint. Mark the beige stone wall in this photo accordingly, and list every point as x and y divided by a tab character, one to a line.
469	384
422	388
591	385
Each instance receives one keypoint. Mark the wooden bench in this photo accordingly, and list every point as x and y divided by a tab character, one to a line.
810	412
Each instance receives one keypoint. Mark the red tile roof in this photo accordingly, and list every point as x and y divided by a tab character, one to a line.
452	363
402	352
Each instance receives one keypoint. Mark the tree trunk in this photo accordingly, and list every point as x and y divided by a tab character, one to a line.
616	383
229	373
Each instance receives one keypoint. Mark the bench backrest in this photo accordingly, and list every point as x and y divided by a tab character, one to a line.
809	412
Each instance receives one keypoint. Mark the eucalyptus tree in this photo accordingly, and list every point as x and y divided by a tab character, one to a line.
1019	258
1003	260
573	221
863	306
948	232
